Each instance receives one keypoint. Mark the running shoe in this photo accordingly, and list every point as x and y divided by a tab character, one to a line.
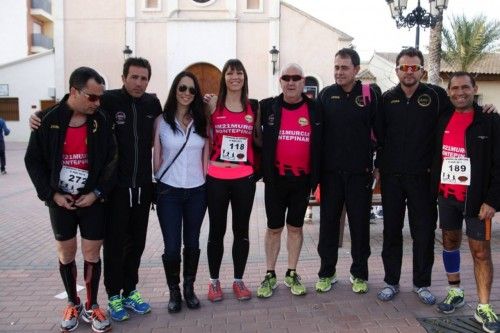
488	318
293	282
241	291
267	286
135	303
97	318
215	292
359	286
324	284
70	317
116	310
454	300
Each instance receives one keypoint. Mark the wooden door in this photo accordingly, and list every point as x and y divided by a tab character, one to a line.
47	103
208	76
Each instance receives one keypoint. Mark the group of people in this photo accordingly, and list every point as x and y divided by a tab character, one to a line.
90	160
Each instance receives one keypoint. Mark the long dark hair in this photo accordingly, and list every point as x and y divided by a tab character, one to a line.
195	108
234	64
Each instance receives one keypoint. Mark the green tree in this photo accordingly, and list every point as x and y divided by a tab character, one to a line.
468	40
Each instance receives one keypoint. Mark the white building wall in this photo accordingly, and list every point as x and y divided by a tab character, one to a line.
191	42
29	80
13	30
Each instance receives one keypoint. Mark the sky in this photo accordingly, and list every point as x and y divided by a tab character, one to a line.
371	24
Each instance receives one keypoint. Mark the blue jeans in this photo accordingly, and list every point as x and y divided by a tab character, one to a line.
181	212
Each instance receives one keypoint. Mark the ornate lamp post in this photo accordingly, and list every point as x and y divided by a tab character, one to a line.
418	17
274	57
127	52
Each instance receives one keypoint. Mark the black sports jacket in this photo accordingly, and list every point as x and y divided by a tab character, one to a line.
43	157
133	120
482	145
406	128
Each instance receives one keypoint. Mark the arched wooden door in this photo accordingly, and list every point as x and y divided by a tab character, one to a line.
208	76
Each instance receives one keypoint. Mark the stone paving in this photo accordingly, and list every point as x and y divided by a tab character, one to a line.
29	278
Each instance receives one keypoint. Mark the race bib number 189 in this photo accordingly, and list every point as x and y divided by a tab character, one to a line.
455	171
234	149
72	179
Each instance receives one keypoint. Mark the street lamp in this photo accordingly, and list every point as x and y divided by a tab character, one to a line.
274	57
127	52
418	17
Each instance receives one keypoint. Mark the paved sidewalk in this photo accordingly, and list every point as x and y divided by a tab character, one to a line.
29	278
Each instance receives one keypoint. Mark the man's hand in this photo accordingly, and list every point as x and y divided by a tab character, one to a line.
489	108
64	200
486	212
211	101
86	200
34	121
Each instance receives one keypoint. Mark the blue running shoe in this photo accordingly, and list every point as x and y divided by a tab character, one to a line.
135	302
116	310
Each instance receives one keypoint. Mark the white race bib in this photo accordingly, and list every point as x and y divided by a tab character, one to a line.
72	179
234	149
455	171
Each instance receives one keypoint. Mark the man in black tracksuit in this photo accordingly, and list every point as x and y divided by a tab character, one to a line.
466	174
406	131
346	169
133	112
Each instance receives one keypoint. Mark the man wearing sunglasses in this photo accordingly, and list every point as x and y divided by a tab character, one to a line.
133	112
71	159
406	129
346	169
291	132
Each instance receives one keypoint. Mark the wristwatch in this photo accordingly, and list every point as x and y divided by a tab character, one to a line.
97	193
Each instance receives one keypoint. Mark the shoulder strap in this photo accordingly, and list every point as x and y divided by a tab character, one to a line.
367	97
177	155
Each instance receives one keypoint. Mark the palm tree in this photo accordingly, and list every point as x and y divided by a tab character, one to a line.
469	40
434	63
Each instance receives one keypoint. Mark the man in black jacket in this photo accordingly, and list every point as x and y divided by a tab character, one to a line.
132	112
466	173
291	130
71	160
406	128
349	111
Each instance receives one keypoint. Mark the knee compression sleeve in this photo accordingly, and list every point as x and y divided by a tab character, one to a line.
451	260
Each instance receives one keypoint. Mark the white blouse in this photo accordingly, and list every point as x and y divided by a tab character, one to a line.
187	169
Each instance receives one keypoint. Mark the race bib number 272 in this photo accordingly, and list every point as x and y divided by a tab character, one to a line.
72	179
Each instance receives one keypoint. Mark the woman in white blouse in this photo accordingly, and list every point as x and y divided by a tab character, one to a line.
180	164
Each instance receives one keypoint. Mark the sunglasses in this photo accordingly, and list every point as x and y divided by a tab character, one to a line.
182	88
406	68
293	78
91	97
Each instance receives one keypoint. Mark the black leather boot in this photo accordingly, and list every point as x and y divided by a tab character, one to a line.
191	258
172	271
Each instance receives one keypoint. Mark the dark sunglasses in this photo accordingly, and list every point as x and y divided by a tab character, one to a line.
293	78
91	97
183	88
406	68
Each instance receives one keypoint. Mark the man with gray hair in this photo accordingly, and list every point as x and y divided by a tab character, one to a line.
291	130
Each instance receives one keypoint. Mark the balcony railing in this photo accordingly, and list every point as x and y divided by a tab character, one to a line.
45	5
40	40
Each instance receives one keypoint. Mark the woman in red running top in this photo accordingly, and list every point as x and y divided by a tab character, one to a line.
230	178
